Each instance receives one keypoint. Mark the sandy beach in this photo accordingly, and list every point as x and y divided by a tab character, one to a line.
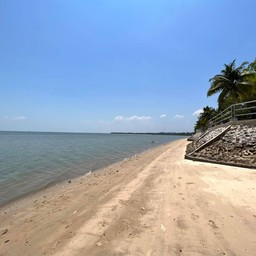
156	203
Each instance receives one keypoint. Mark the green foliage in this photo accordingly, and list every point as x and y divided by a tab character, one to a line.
251	70
204	118
251	67
233	84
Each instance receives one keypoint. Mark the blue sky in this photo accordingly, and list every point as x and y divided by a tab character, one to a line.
101	66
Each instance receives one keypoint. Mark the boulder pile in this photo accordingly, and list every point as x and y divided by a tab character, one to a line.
235	146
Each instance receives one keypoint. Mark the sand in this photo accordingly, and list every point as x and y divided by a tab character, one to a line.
156	203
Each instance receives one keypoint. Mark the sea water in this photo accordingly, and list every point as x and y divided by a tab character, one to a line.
30	161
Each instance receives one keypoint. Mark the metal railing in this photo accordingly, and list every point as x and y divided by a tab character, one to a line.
239	111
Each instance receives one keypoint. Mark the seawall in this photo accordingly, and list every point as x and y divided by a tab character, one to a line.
233	143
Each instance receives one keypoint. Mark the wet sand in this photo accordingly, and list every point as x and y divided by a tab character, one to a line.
156	203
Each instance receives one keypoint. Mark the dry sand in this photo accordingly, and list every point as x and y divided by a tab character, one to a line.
154	204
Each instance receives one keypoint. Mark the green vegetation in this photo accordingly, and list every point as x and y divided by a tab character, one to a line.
234	85
207	114
157	133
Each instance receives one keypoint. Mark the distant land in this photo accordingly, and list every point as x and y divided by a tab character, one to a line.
157	133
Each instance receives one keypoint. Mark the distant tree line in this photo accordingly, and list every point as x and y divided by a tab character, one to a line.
234	85
156	133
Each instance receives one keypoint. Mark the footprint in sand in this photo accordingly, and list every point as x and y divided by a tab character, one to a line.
194	216
212	224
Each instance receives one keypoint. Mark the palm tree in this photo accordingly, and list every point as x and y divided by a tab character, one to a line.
204	118
232	83
252	70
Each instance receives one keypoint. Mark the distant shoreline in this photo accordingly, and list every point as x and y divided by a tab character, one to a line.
139	133
157	133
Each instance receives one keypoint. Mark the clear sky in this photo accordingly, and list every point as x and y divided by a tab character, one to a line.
116	65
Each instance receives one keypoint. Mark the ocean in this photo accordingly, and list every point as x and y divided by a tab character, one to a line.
30	161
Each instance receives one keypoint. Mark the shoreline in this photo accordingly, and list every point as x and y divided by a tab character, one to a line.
55	185
62	180
156	203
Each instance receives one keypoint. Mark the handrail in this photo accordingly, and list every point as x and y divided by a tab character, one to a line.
238	111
